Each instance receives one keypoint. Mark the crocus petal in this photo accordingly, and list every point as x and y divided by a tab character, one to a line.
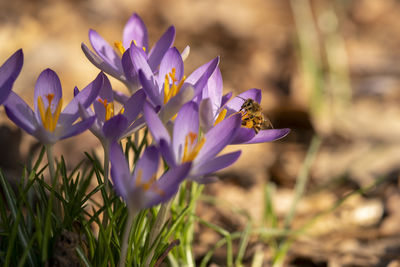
76	91
106	93
213	90
114	127
76	128
236	103
101	64
147	165
155	125
216	164
84	97
269	135
160	48
44	136
47	83
219	137
105	51
136	126
225	98
185	53
199	78
172	59
168	184
20	113
97	126
243	135
129	71
167	153
9	72
174	104
120	173
187	121
135	30
120	97
151	89
134	106
139	61
206	115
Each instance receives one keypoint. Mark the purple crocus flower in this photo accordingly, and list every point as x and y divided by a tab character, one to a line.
110	125
119	64
9	72
48	123
247	135
141	189
169	89
187	145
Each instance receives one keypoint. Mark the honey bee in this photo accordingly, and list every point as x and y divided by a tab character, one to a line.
252	116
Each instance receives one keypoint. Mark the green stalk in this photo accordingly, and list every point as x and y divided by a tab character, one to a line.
50	160
302	179
106	170
125	239
51	204
155	230
106	164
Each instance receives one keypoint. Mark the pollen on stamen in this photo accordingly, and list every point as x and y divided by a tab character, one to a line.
172	75
49	120
143	47
149	185
190	151
120	47
192	137
104	102
109	107
221	116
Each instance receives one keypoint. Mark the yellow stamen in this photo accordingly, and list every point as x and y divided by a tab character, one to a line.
109	107
143	47
180	84
138	181
41	109
173	89
109	111
56	115
221	116
120	47
149	185
49	120
166	89
146	186
172	75
191	150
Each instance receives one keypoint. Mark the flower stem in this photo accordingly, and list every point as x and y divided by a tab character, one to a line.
106	164
50	160
155	230
106	168
125	239
54	181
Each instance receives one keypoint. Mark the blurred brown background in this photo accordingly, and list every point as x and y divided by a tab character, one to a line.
330	68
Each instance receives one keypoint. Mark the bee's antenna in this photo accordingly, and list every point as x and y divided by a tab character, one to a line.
240	97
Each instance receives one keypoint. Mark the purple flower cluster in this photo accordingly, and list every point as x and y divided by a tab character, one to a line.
189	118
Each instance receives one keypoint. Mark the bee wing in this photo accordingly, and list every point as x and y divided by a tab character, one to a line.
267	124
